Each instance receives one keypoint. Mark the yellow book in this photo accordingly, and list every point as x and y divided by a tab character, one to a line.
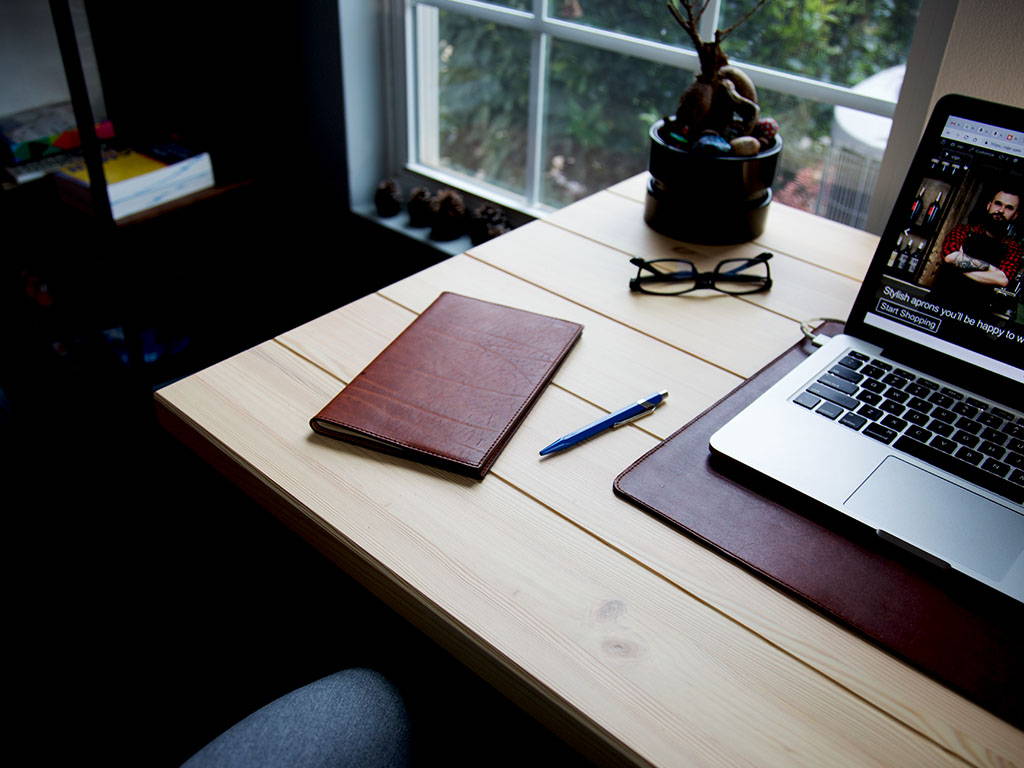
136	181
118	165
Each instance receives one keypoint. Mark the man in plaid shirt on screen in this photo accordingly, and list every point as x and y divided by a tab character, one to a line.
990	258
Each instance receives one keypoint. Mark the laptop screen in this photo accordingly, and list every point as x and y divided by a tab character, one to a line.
949	270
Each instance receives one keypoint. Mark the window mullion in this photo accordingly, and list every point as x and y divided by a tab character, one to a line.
709	21
428	91
535	117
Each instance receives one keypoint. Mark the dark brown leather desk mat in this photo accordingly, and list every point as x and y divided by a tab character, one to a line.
962	634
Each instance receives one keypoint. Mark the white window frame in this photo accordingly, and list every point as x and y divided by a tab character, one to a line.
385	122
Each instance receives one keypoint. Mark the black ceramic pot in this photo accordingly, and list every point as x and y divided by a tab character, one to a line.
708	199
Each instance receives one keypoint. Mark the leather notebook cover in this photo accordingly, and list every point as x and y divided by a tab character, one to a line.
452	388
963	634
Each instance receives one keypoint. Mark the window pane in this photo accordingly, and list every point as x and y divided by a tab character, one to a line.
649	20
805	127
825	169
836	41
600	106
483	100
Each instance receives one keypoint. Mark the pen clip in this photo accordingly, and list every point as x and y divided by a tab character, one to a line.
648	406
634	417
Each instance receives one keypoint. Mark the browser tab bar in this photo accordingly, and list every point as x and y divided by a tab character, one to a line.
985	136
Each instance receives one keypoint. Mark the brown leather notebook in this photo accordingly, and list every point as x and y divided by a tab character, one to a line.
454	386
961	633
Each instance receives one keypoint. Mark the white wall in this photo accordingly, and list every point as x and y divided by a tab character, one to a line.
976	49
367	137
31	72
985	54
31	68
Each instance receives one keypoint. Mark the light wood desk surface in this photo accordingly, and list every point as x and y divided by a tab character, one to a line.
635	643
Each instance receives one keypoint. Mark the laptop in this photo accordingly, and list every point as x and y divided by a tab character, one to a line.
911	421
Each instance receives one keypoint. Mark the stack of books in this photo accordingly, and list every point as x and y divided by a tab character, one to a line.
45	140
38	141
138	180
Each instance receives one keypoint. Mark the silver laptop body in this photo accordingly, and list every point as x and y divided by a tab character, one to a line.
911	421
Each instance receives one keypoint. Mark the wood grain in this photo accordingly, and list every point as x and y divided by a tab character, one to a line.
561	481
608	637
814	239
636	643
800	290
735	335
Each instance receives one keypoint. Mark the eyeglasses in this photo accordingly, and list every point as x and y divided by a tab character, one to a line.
671	277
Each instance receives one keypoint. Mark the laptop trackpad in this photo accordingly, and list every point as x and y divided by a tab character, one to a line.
940	517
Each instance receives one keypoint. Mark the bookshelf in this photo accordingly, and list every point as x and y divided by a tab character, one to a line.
273	244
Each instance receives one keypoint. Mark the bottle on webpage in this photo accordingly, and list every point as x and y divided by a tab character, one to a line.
933	210
915	207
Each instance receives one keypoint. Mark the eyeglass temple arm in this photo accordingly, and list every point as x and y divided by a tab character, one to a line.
656	275
761	258
741	278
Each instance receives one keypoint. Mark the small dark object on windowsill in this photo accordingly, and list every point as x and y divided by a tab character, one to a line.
486	223
388	199
419	208
449	215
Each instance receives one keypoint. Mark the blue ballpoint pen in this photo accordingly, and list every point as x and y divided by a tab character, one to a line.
617	419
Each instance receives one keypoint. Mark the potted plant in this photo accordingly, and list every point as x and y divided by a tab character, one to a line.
712	163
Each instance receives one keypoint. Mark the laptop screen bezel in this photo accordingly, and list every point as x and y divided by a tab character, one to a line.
952	369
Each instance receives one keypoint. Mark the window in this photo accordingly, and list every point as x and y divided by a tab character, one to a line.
536	103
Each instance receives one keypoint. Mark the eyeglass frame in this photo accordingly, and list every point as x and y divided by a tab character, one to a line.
702	280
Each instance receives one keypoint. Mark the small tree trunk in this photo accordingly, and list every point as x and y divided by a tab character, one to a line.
711	60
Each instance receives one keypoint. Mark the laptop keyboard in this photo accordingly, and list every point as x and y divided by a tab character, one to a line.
978	441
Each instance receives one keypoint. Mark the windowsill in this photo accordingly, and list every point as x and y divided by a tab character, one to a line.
400	223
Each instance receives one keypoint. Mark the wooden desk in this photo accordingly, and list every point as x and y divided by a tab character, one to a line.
635	643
